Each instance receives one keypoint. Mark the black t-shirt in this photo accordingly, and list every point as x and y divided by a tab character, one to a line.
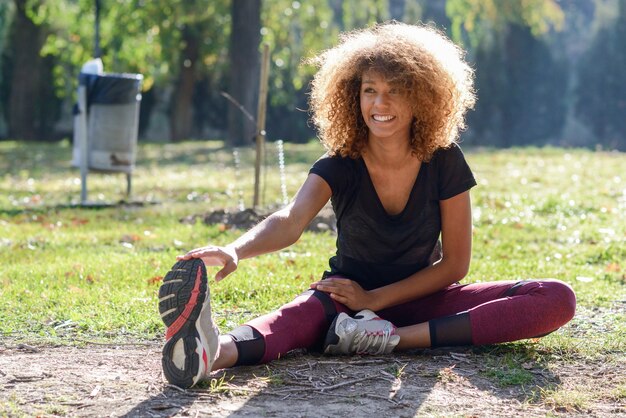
373	247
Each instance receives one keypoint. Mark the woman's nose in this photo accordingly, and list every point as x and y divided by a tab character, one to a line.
382	99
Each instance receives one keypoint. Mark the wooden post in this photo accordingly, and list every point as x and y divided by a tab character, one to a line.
260	122
81	136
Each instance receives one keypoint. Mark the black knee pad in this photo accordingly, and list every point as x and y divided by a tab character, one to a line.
449	331
250	345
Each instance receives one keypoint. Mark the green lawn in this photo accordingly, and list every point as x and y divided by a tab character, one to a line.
70	274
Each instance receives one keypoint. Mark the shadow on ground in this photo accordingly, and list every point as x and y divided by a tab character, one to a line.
449	382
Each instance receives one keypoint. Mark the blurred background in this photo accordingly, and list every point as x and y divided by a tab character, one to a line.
548	72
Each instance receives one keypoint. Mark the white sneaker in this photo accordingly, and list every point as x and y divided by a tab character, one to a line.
366	333
191	337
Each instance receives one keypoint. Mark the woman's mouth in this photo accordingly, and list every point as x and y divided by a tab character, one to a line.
383	118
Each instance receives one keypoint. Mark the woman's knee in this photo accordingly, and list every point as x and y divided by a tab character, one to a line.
562	299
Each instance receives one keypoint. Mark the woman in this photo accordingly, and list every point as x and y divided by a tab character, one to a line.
388	103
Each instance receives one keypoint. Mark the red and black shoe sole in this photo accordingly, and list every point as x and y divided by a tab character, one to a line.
181	297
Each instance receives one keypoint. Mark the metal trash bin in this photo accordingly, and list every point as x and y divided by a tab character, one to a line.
106	124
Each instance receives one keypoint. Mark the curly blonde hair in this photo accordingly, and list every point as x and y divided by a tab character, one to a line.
428	67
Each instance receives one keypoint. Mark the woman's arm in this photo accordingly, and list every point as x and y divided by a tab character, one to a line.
277	231
284	227
456	236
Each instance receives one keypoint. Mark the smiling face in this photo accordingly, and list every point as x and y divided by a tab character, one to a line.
385	108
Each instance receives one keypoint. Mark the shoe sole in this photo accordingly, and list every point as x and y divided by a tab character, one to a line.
182	297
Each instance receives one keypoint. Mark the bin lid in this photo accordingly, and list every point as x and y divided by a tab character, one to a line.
111	88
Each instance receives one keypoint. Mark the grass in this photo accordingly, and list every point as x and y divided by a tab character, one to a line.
69	273
567	400
508	372
72	274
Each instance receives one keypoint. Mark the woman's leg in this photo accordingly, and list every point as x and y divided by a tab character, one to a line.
483	313
302	323
226	353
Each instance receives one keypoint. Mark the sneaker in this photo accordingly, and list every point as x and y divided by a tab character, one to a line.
366	333
192	337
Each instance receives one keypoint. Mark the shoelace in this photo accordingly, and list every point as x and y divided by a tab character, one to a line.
365	342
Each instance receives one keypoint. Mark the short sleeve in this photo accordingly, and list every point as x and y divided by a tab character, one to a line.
453	173
333	170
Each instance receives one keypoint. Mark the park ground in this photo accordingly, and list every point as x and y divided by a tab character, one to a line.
79	333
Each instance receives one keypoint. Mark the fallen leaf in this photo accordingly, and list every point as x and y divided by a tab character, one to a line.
155	280
130	238
613	268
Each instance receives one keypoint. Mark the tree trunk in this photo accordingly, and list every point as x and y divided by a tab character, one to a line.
26	42
244	68
337	8
181	115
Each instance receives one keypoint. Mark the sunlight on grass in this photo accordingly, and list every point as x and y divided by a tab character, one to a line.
68	272
575	400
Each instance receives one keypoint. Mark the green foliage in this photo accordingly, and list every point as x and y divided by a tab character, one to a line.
480	19
359	14
521	89
601	84
524	90
296	31
309	29
150	42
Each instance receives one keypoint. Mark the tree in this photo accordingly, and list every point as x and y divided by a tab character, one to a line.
6	14
245	37
27	38
521	85
296	31
521	91
601	91
173	43
477	19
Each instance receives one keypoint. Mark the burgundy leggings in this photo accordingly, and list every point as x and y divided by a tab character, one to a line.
472	314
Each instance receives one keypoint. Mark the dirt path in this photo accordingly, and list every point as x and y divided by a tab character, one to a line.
126	381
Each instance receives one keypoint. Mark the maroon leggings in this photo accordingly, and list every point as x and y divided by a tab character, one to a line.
472	314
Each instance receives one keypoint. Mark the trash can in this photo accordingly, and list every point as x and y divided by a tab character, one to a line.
106	124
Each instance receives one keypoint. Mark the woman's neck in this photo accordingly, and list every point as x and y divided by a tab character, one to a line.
388	153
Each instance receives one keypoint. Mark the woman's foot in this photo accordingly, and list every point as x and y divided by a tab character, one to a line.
365	333
192	337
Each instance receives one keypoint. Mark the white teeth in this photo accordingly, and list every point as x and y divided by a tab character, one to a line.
382	118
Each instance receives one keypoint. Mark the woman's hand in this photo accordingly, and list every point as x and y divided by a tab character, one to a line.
347	292
226	257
